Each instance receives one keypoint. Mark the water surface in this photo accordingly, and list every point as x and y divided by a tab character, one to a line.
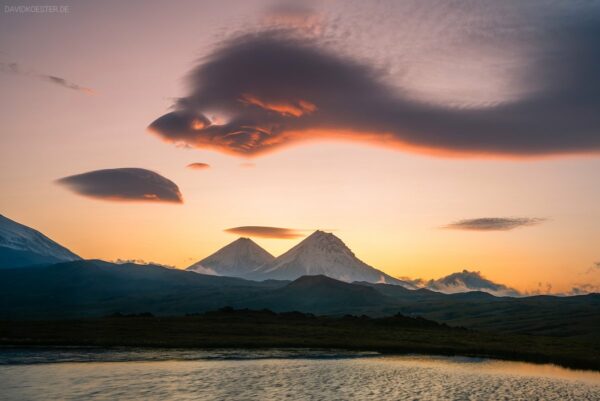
134	374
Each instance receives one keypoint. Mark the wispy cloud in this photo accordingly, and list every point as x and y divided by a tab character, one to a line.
124	184
16	69
583	289
494	223
266	232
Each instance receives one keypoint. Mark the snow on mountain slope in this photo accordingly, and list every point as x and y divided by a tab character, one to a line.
237	259
21	246
323	254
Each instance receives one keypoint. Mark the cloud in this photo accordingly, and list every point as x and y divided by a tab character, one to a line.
266	232
494	223
124	184
198	166
294	15
120	261
66	84
278	89
15	68
470	281
583	289
247	165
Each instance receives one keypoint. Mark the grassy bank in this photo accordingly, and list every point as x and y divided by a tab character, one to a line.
264	329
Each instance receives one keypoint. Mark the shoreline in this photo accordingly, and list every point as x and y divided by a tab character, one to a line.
576	365
265	330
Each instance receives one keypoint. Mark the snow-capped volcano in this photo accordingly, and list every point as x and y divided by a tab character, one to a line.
237	259
24	246
325	254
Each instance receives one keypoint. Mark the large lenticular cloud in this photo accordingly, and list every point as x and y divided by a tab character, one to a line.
124	184
261	91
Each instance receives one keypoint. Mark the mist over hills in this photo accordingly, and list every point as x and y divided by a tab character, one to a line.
465	281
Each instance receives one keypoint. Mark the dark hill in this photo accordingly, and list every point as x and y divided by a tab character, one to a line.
322	295
95	288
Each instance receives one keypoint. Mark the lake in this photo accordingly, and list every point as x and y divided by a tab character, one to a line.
140	374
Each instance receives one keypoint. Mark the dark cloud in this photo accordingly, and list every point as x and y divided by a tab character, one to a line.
15	68
266	232
494	223
124	184
198	166
275	89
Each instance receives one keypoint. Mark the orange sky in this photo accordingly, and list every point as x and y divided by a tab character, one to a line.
387	205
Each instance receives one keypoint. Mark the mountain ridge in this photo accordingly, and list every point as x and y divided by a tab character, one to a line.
92	288
21	245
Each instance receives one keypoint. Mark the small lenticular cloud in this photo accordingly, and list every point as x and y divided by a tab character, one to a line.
266	232
494	223
124	184
198	166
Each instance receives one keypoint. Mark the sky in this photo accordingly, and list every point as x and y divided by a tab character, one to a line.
430	136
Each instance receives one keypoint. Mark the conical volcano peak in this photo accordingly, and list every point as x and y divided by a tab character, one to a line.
243	241
322	253
235	259
322	235
323	242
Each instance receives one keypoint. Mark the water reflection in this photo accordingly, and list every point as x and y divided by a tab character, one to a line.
285	374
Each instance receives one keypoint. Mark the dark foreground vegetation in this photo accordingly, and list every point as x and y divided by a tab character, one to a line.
228	328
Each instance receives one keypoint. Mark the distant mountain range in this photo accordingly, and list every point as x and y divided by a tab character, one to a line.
24	246
91	288
325	254
320	253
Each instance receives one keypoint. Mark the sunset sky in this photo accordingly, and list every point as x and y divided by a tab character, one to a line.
429	136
